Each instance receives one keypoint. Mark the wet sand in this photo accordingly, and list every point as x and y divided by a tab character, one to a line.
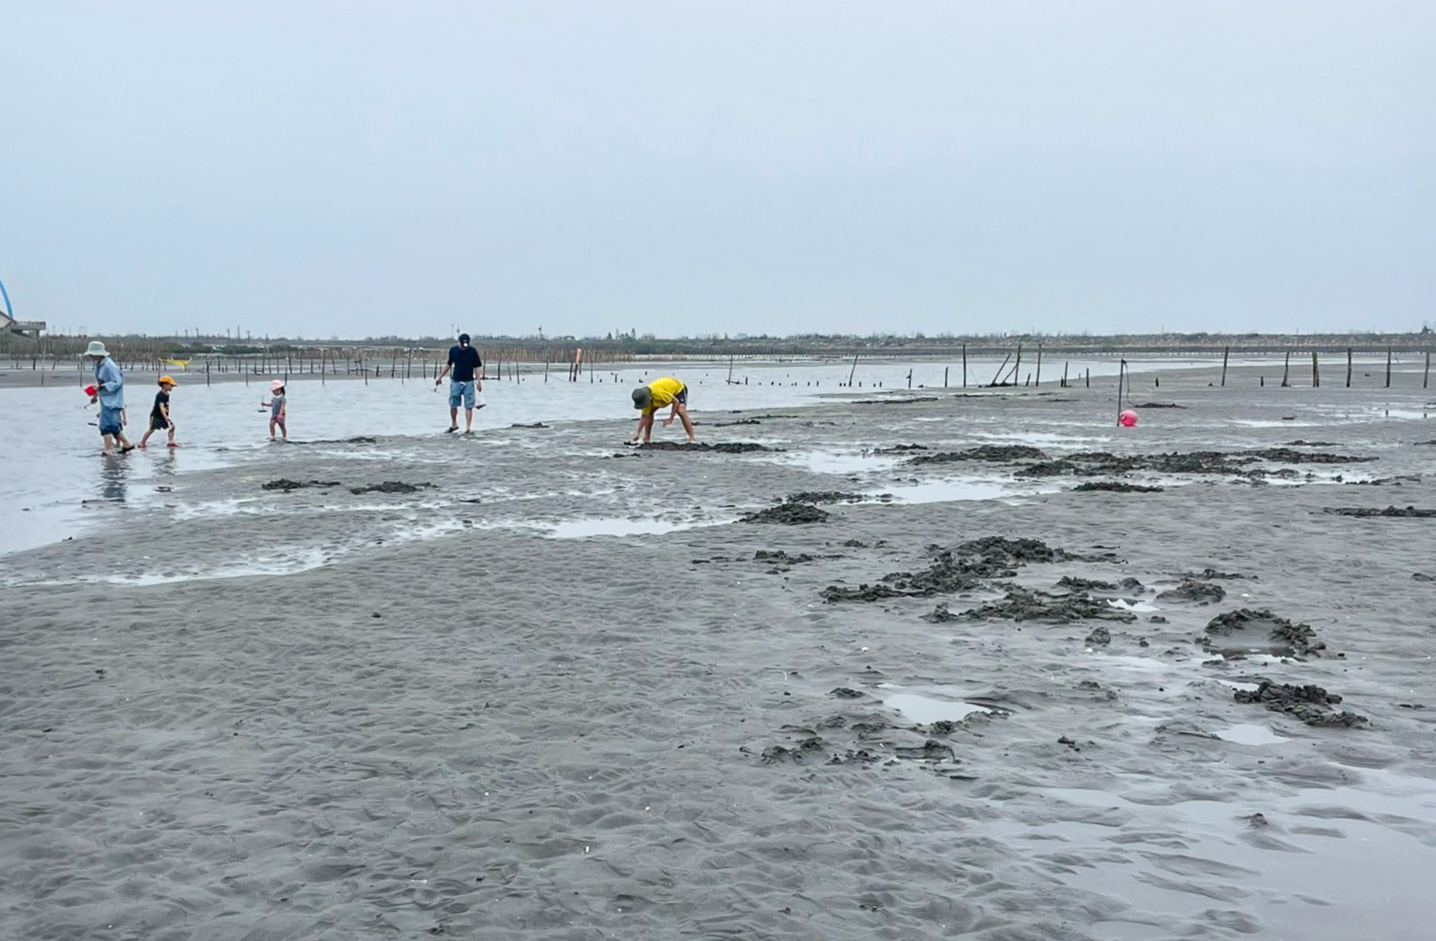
534	684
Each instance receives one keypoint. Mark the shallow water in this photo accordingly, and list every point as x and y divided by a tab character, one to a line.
55	475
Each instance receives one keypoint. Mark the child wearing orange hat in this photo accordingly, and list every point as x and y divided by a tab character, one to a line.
160	413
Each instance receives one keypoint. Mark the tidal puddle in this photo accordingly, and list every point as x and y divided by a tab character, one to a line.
1250	735
925	710
956	489
839	463
584	529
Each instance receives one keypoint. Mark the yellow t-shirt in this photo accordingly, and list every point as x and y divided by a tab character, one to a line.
664	392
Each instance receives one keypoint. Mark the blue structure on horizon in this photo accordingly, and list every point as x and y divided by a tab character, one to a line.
9	313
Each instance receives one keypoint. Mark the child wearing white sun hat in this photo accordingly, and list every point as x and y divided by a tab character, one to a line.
277	409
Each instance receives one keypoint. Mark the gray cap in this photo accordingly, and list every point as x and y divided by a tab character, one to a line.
642	397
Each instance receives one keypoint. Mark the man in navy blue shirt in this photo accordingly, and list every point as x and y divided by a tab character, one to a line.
466	383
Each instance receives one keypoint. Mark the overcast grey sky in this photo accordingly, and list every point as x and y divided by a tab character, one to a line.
363	168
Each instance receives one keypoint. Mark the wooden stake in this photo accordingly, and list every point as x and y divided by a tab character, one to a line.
852	372
1286	370
1225	351
1064	375
1388	367
1017	365
944	377
1348	367
964	365
1426	376
999	370
1315	372
1121	371
1038	381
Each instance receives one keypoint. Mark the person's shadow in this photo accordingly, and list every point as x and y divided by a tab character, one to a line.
114	479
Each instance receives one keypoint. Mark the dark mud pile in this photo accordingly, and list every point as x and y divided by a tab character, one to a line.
1391	512
1310	704
1288	456
865	738
1237	463
359	439
1115	486
788	514
1088	584
285	484
1210	573
824	496
900	449
1023	605
723	447
392	486
909	400
1285	638
1195	590
991	453
967	566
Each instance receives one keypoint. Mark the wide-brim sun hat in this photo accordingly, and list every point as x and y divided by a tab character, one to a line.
276	384
167	381
642	397
96	348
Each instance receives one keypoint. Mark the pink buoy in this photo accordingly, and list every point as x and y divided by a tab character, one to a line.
1127	418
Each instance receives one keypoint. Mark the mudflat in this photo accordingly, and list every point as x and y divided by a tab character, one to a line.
937	665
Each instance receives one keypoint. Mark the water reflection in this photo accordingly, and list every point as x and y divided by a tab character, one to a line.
114	478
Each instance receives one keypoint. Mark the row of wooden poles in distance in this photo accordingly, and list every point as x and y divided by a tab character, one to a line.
505	364
398	364
1008	377
1316	369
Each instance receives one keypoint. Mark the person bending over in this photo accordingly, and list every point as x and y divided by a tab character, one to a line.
656	395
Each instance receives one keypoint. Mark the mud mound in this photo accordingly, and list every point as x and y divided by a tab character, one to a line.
824	496
392	486
1366	512
788	514
1288	456
1158	405
1095	463
863	592
1114	486
1084	584
909	400
1008	550
963	568
1310	704
991	453
1023	605
1213	573
900	449
287	485
1098	637
724	447
1192	589
779	557
1288	639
